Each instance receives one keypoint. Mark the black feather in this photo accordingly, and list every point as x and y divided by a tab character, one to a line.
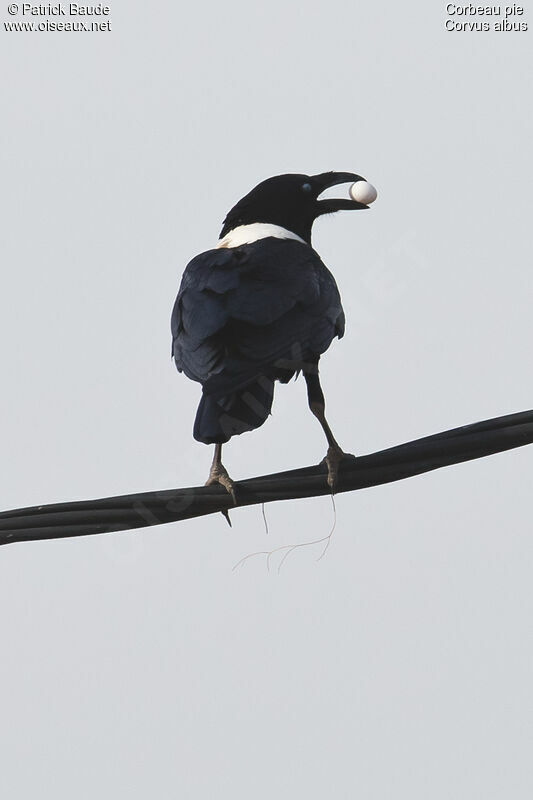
245	317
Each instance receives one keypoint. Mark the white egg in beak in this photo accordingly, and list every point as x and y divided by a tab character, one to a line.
363	192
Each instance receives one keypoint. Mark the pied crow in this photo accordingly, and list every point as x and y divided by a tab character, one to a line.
260	307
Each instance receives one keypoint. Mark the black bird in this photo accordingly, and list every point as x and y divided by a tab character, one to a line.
260	307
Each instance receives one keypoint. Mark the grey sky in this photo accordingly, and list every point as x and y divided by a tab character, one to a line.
139	665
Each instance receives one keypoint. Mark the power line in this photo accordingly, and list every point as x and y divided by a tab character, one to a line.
126	512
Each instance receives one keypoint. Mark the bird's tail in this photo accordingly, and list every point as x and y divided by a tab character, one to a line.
219	418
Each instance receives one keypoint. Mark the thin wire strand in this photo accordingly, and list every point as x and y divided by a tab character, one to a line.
264	517
291	547
328	542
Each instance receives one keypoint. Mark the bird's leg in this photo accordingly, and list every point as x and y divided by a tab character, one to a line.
335	454
317	404
219	474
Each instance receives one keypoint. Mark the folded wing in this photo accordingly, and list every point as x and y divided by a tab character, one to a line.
247	316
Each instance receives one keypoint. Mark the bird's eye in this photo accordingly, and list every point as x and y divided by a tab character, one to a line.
306	187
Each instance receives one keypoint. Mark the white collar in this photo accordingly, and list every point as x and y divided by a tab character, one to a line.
247	234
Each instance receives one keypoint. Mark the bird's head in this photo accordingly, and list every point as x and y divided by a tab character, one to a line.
292	202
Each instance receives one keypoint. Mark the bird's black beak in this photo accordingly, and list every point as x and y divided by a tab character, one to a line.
327	179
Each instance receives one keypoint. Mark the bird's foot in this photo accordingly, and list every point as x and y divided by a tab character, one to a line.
333	459
219	474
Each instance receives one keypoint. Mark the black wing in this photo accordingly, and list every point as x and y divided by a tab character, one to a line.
266	308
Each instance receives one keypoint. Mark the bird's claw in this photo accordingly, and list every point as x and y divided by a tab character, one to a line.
333	459
220	475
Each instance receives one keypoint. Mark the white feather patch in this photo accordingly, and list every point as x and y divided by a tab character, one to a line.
247	234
